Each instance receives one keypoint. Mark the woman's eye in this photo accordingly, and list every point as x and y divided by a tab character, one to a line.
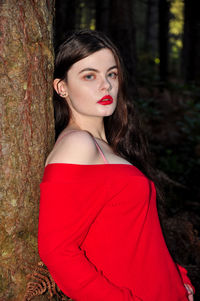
89	77
113	75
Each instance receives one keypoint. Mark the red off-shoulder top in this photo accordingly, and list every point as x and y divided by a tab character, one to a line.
100	236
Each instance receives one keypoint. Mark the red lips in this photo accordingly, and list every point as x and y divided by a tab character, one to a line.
106	100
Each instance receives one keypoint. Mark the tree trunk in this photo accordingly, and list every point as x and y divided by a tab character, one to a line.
191	42
122	32
151	36
65	18
27	133
164	7
102	15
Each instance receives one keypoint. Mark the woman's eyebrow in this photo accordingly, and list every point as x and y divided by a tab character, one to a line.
88	69
95	70
113	67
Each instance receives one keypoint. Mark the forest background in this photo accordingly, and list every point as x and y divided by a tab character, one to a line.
160	43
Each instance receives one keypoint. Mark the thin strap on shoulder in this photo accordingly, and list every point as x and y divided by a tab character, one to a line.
100	151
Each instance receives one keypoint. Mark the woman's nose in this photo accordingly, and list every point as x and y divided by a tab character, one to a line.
105	84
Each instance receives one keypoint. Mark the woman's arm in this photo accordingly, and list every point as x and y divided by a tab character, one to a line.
67	210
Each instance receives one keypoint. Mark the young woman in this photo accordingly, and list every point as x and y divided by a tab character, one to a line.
99	232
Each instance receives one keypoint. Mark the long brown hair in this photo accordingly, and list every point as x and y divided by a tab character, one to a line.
123	130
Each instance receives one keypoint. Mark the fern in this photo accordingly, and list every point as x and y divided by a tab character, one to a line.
41	282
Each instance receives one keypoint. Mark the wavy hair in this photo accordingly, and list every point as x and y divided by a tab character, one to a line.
123	130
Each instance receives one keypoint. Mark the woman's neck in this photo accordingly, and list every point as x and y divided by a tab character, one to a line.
95	128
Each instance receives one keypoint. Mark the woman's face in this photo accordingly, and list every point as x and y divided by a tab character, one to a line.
92	85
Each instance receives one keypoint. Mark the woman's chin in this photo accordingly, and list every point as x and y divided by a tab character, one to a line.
107	111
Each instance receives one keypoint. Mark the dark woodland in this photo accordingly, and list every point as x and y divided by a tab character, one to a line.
159	41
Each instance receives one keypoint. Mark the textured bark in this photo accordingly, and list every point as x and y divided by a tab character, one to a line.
27	133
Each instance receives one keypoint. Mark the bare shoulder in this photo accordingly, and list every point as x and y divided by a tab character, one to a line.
77	147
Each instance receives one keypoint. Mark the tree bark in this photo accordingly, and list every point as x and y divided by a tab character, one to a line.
191	42
27	133
164	7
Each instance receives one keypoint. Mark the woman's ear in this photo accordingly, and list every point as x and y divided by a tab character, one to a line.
60	87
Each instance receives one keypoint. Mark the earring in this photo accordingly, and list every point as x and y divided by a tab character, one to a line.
62	94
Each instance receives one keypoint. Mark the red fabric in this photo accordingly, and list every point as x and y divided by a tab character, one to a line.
100	236
184	276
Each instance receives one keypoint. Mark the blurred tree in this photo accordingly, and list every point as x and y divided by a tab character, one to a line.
164	8
70	15
122	32
27	133
191	42
151	28
175	35
65	18
102	15
85	14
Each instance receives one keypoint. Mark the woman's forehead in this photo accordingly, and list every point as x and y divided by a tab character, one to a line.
100	59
